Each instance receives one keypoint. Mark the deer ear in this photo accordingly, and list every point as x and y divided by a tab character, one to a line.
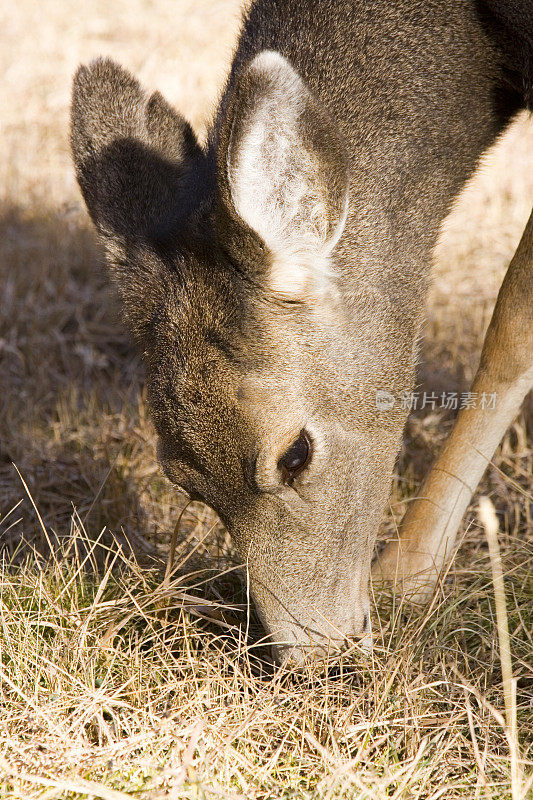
283	171
141	172
135	157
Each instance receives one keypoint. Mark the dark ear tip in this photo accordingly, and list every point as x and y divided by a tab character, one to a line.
80	76
161	117
100	75
80	82
86	73
158	105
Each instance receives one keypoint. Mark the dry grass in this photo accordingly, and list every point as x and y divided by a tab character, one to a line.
112	682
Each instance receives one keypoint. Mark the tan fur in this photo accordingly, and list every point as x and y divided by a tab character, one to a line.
428	530
275	280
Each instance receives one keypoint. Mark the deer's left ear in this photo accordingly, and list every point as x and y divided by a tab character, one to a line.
283	171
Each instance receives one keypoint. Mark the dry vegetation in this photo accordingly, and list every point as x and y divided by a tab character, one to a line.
113	684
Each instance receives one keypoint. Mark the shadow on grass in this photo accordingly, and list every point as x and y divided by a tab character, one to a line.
73	420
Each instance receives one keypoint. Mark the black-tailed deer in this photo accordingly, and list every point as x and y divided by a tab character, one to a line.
275	280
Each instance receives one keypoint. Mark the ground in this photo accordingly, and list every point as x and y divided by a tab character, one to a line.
113	684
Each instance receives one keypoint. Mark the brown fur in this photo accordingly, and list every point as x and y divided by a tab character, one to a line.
393	102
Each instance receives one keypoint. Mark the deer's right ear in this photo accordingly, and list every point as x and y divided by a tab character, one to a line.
135	157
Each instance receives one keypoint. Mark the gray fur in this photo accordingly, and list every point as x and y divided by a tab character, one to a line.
399	99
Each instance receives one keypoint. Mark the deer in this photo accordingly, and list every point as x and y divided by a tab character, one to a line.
274	280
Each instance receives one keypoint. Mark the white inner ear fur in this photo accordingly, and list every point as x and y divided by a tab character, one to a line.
275	184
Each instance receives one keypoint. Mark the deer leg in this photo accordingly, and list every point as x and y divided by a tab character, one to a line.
427	533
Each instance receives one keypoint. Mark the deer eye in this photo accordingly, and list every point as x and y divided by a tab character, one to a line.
296	459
